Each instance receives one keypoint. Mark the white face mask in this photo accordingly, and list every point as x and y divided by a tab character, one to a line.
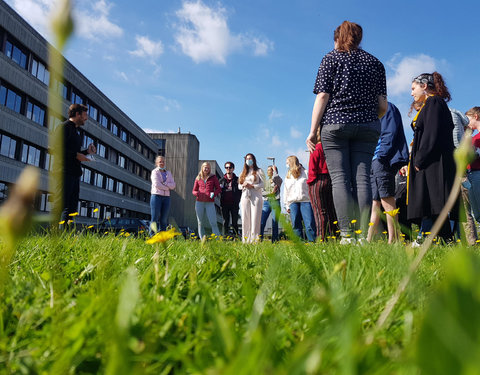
249	162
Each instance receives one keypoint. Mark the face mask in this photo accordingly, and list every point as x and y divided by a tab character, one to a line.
162	169
249	162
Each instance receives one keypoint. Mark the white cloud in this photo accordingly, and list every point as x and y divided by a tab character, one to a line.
94	23
91	19
204	35
405	69
274	114
122	75
147	47
295	133
168	104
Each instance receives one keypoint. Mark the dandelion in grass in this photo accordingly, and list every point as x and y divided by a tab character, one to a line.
69	221
427	233
335	222
127	234
370	224
392	213
90	227
162	237
384	232
73	214
61	222
353	221
337	231
95	210
359	231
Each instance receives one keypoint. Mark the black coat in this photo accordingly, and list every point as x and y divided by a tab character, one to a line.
432	153
237	194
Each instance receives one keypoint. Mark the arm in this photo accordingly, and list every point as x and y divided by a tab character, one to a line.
261	177
382	105
195	188
170	182
216	187
317	113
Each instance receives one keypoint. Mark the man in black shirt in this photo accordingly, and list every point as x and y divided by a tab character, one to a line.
72	158
230	198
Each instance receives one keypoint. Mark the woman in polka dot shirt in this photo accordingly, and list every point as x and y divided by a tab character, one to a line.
351	97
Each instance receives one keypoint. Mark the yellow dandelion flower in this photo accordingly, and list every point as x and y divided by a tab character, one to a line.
427	233
384	232
63	222
477	241
127	234
392	213
459	240
69	221
353	221
370	224
73	214
163	236
335	222
90	227
337	231
95	210
359	231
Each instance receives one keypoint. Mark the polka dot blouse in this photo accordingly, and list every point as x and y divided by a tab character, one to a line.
354	81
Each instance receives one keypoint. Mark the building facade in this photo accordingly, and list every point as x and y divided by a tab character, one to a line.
117	183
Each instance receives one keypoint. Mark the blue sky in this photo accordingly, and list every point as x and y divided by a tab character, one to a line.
239	74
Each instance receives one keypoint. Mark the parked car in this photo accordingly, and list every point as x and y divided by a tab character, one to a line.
127	224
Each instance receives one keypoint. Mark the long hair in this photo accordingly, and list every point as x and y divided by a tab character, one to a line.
348	36
200	174
435	84
296	168
241	178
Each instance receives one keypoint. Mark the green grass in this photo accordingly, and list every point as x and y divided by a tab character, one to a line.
95	304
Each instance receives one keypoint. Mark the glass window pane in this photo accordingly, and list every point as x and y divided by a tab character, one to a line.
18	103
13	147
8	49
24	153
11	99
34	67
3	95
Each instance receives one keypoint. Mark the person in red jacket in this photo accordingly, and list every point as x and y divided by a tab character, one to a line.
320	193
206	188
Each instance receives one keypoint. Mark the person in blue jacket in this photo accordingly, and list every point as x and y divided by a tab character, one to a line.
390	155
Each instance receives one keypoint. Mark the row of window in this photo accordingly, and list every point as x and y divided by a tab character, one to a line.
12	99
29	154
27	60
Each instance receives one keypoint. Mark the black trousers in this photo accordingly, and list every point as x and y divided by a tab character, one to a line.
70	195
227	212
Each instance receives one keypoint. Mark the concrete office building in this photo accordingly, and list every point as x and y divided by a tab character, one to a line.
118	182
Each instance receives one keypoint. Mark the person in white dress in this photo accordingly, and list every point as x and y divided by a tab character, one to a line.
251	182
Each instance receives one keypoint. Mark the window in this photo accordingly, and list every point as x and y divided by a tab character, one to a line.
44	203
36	113
161	146
48	162
87	175
39	70
123	135
92	111
109	184
3	191
121	161
16	54
8	146
114	128
10	99
87	141
146	152
132	141
103	120
60	88
30	155
101	150
99	180
75	97
119	188
112	155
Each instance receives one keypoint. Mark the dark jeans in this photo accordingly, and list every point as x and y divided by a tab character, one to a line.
159	209
348	151
230	211
70	195
267	208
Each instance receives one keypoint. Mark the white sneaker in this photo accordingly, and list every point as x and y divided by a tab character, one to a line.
347	241
416	244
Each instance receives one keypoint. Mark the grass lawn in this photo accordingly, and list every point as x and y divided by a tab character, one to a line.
83	303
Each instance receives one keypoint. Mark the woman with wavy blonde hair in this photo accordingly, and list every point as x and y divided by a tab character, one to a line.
296	199
206	188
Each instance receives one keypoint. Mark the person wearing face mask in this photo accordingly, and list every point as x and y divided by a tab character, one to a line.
206	188
162	183
432	168
230	198
251	182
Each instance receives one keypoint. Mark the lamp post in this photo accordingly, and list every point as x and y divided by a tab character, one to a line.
272	159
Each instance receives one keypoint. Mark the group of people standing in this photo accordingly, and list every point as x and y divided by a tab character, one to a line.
357	148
